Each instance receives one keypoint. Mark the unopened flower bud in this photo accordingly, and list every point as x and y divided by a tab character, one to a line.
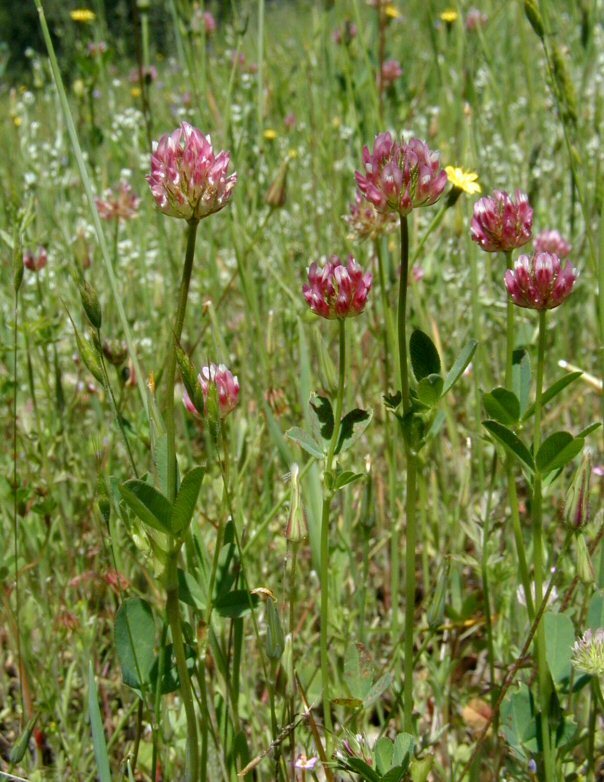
90	302
576	512
585	568
275	640
297	526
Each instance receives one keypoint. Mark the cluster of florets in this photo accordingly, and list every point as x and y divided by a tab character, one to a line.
219	382
122	205
365	222
500	223
187	178
399	177
540	282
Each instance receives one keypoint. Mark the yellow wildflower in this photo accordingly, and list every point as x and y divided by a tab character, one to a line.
82	15
449	16
17	121
463	180
135	92
270	134
392	11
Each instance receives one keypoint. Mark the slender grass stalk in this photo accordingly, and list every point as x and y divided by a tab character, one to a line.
537	522
85	177
325	514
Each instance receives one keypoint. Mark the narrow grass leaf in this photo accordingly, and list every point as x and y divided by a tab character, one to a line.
459	366
96	725
521	377
19	748
553	391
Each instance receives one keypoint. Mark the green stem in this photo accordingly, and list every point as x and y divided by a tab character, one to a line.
402	315
410	499
537	520
327	498
171	368
186	692
512	494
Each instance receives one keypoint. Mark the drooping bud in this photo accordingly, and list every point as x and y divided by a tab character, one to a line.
277	192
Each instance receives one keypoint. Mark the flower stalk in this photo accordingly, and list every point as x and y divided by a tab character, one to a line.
325	516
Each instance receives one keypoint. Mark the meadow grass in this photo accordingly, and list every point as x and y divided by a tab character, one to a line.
245	638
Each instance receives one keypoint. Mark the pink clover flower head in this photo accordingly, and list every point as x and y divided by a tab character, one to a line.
366	222
539	282
209	23
187	178
552	242
345	34
475	19
391	71
402	176
336	290
501	224
122	205
219	380
35	263
96	48
149	75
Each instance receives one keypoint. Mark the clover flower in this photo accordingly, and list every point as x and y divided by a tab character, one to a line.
402	176
35	263
540	282
390	72
187	179
122	205
552	242
475	19
365	222
337	291
501	224
219	381
588	652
